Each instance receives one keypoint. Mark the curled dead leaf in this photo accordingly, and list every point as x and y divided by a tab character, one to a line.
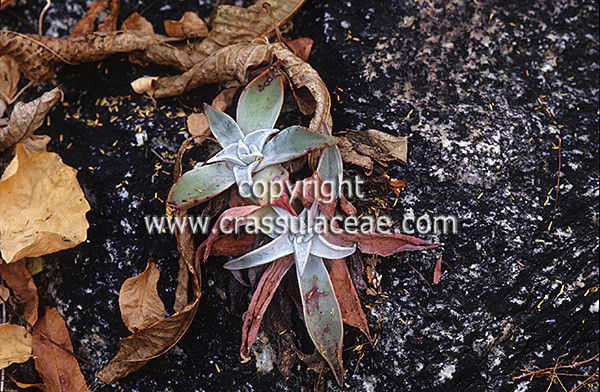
220	67
137	22
139	301
53	353
18	278
189	26
86	23
15	344
42	206
9	79
27	117
362	148
38	56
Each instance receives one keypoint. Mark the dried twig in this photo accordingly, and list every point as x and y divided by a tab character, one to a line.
41	19
553	373
558	179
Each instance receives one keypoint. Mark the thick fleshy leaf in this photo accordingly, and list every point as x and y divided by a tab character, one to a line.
261	101
379	243
260	301
301	252
272	180
330	168
223	127
322	248
200	184
322	314
259	138
227	154
293	142
274	250
350	307
226	222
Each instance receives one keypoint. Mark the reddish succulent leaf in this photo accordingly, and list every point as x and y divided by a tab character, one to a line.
437	272
17	277
228	216
352	312
379	243
260	301
139	301
53	359
313	188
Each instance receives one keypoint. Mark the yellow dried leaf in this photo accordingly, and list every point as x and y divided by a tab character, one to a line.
15	344
42	206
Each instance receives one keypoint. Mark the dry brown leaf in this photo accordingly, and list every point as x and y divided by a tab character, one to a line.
5	3
185	245
110	22
36	142
9	80
38	56
437	272
301	47
224	99
361	148
189	26
52	350
15	344
23	385
27	117
309	89
219	67
4	293
139	301
18	278
137	22
136	350
42	206
197	124
86	23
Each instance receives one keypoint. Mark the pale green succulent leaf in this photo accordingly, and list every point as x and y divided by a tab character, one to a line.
261	101
275	249
222	126
322	313
227	154
200	184
269	184
322	248
330	168
292	143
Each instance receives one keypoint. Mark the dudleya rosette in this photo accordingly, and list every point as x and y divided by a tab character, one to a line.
251	146
300	235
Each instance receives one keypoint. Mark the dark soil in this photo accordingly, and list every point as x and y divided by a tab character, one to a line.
483	89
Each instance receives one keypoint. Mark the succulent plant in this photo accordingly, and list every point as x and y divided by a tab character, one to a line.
250	146
298	235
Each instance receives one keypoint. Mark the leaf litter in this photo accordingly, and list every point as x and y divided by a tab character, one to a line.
230	53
